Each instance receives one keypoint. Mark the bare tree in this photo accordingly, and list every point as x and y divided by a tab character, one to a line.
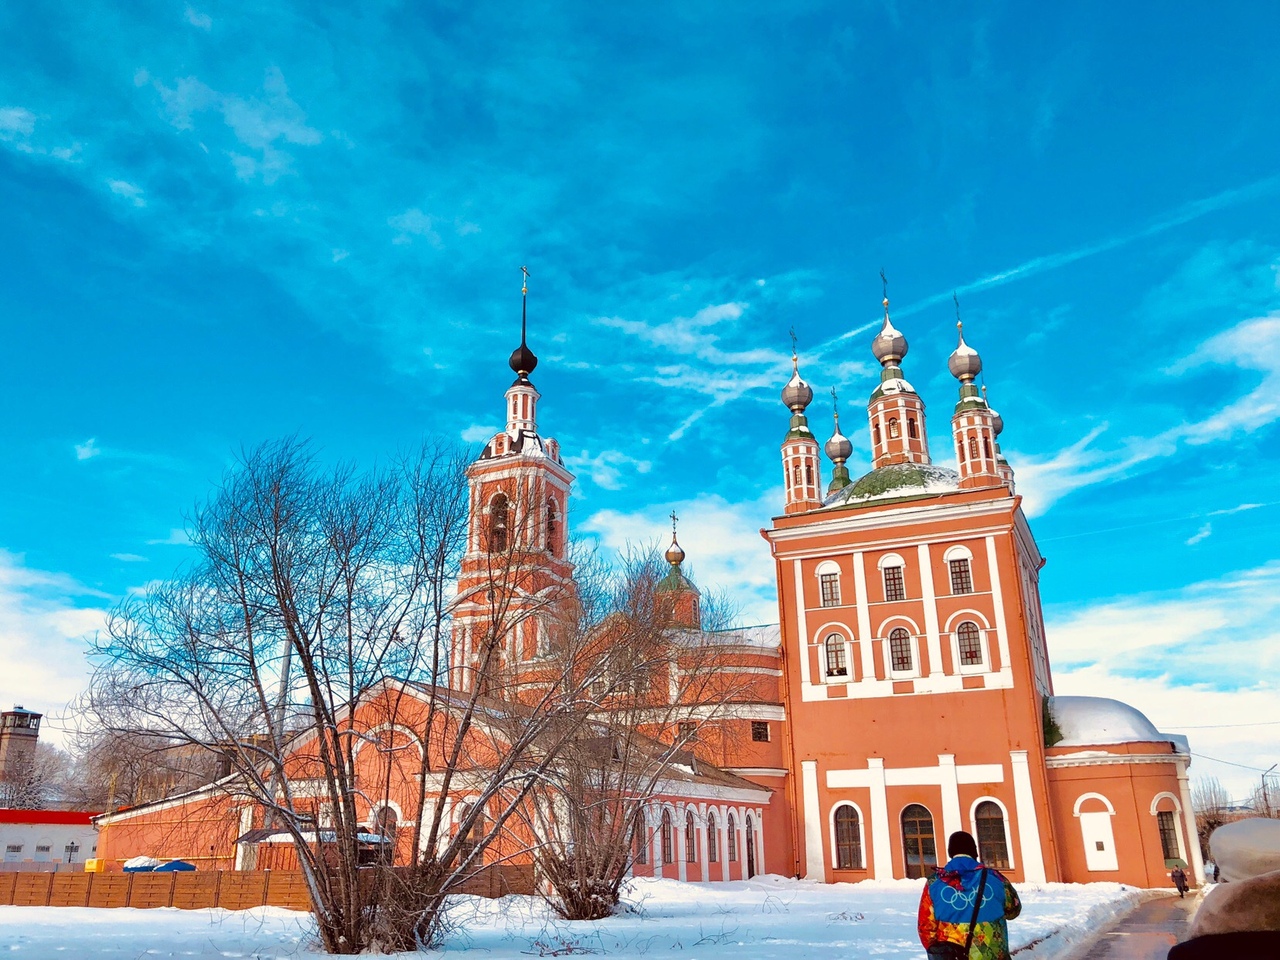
1212	806
36	780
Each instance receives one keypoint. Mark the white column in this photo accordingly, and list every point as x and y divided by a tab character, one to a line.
952	819
864	617
881	844
722	828
655	849
678	845
997	603
1028	821
802	626
1189	815
759	825
704	847
930	611
814	864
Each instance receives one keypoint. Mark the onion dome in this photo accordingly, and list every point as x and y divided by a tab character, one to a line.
997	423
889	345
797	394
838	447
674	554
522	359
964	362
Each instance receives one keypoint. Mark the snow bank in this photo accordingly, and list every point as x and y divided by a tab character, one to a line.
768	917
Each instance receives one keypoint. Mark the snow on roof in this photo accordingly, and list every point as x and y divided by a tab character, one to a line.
766	636
1091	720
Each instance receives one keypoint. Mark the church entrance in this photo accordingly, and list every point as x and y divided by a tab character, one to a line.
918	847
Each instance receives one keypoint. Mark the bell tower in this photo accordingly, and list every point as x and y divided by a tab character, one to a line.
973	426
895	412
801	468
515	573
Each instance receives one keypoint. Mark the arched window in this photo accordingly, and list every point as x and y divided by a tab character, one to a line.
713	839
668	841
875	432
900	654
973	448
732	826
553	528
893	428
911	428
499	519
993	845
961	575
848	838
640	836
473	837
986	447
837	666
751	847
808	473
970	641
690	839
894	587
918	847
960	451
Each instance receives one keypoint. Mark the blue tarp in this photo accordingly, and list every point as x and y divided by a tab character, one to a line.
175	866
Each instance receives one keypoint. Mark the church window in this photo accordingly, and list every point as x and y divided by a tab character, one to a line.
848	838
808	474
690	839
668	841
961	576
713	839
986	448
499	518
900	654
760	731
911	428
973	448
641	837
893	428
960	451
686	730
918	846
875	432
553	528
1168	834
970	640
732	827
830	583
993	845
836	664
468	843
894	588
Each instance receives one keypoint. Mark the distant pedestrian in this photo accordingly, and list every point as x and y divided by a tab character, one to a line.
1217	874
1179	878
965	907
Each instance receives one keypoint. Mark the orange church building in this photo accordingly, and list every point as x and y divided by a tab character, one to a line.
905	693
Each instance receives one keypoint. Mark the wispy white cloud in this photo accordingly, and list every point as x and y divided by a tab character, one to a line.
478	433
177	538
88	450
129	557
130	191
200	20
414	223
606	468
16	122
1203	533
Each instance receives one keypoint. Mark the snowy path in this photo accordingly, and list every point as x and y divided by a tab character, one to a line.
769	917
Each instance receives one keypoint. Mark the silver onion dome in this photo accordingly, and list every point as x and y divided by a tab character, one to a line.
964	362
997	423
674	554
838	447
889	345
796	394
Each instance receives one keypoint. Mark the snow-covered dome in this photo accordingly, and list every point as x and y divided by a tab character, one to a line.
1098	720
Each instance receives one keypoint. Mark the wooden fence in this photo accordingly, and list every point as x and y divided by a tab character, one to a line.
232	889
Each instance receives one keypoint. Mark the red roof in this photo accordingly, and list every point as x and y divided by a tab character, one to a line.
81	817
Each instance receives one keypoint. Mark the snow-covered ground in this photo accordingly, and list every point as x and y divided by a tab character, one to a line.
768	917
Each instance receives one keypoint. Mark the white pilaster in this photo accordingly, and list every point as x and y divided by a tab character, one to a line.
814	865
678	845
930	611
952	818
722	828
997	601
802	624
865	650
1192	836
704	847
881	844
759	826
1028	821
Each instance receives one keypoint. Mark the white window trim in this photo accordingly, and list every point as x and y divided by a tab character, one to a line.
862	834
826	568
1092	796
984	645
957	551
890	560
1177	820
1008	835
913	633
824	632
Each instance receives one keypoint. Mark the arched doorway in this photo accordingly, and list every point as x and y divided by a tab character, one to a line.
751	847
918	846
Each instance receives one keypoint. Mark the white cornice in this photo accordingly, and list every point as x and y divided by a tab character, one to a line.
825	523
1110	759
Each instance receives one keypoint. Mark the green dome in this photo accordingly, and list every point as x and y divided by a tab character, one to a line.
898	480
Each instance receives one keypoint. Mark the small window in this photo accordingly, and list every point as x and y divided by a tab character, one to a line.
733	839
894	588
848	839
900	654
760	731
690	839
960	451
875	431
986	448
837	666
961	577
713	839
911	428
993	845
1168	834
668	840
641	838
830	583
894	432
687	730
973	448
808	473
499	518
970	639
553	528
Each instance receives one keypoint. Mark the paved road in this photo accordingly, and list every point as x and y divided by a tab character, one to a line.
1148	932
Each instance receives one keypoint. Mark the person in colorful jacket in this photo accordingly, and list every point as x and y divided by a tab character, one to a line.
947	904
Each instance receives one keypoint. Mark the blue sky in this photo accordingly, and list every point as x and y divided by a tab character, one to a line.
224	225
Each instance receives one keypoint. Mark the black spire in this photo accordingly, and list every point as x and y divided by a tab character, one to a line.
522	359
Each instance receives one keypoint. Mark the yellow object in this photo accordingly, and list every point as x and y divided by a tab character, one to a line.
95	865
